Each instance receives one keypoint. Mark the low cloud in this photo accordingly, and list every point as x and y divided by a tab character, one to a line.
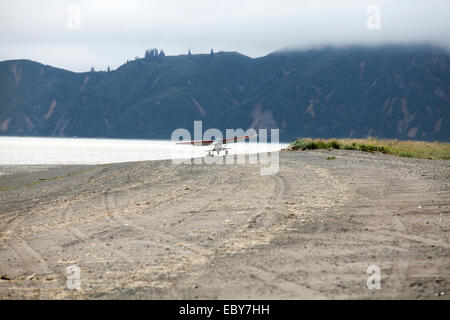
112	31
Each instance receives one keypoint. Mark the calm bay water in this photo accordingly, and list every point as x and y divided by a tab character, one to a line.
32	150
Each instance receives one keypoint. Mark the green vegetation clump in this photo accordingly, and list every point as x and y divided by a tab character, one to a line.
310	144
415	149
42	180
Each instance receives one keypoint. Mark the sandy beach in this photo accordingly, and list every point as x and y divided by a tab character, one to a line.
158	230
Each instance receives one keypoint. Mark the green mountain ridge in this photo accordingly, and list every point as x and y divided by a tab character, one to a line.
387	91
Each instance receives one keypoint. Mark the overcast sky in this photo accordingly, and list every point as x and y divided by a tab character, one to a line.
108	32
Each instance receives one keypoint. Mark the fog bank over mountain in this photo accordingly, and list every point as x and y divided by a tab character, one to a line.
76	35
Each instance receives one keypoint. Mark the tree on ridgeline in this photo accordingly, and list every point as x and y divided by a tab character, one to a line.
189	53
150	54
211	54
162	54
92	69
108	70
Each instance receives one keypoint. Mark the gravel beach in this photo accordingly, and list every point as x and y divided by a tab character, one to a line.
159	230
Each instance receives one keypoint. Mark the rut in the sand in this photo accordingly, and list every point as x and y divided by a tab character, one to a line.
160	230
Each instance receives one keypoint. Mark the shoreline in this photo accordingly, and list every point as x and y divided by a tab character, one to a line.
108	151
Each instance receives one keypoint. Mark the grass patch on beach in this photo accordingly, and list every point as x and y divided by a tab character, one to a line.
42	180
413	149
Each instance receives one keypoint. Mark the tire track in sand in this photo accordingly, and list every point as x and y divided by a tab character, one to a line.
79	235
32	260
111	204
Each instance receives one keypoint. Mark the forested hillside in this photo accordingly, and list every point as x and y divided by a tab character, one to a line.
388	91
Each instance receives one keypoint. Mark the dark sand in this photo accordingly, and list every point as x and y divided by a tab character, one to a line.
156	230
